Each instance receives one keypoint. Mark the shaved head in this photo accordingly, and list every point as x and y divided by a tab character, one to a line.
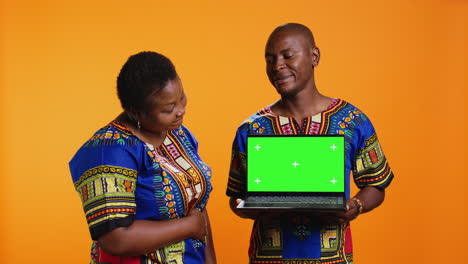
291	56
294	28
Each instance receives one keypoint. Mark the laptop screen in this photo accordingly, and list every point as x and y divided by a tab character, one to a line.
299	163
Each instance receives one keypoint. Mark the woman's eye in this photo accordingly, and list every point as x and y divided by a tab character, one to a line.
168	111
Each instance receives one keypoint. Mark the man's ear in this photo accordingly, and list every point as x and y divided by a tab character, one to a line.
315	56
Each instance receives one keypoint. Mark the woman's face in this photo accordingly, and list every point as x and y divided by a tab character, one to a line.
168	108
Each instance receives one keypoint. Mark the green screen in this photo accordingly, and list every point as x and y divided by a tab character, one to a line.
295	164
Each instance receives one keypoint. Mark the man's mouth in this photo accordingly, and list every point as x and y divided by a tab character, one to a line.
282	79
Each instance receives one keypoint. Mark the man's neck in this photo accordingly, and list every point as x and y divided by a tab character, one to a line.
304	104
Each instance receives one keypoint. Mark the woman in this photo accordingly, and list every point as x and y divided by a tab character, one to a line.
296	236
143	185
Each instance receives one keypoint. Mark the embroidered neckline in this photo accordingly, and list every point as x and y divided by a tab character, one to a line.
333	103
123	128
308	125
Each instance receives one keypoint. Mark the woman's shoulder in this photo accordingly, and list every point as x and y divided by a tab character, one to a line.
111	134
111	138
112	144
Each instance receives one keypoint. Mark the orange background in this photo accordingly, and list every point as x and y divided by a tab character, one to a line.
403	62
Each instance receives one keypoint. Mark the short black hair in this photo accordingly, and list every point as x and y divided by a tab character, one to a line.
143	75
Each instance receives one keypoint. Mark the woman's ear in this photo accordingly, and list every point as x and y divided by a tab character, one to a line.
133	115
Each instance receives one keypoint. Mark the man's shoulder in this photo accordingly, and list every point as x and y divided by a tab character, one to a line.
346	116
345	106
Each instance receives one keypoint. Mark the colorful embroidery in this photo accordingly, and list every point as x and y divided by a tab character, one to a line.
107	193
189	174
110	136
120	178
330	238
363	155
371	167
171	254
301	226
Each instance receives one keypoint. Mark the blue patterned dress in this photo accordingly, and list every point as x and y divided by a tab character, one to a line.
299	238
121	179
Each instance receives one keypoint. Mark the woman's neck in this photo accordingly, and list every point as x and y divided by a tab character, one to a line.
153	138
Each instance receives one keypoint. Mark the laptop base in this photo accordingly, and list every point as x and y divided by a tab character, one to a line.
291	206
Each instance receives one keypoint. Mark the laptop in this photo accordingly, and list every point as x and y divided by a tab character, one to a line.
305	172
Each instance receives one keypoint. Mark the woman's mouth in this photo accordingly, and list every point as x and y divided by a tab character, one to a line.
178	120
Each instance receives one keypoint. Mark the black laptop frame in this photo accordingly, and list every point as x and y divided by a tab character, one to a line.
291	193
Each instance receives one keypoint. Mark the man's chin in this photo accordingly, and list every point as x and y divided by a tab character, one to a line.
286	92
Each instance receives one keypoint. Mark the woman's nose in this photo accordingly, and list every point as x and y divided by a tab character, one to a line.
181	112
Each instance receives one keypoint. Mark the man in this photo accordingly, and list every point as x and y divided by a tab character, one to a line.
291	57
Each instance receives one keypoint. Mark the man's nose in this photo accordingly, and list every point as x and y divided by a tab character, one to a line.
278	64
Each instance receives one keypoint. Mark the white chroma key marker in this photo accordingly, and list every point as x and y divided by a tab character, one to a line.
333	181
333	147
257	180
257	147
295	164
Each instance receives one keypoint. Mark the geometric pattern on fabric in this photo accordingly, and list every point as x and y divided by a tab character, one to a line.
171	254
371	167
334	243
363	156
164	190
121	179
190	175
107	194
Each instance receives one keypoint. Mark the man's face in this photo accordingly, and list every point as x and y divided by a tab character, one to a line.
290	59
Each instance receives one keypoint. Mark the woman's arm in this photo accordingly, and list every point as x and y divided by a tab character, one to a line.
209	250
144	236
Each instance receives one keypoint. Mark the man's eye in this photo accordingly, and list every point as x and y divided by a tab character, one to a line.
288	56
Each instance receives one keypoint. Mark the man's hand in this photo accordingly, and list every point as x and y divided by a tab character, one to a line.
351	213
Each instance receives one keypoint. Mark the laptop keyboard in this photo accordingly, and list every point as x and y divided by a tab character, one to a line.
295	199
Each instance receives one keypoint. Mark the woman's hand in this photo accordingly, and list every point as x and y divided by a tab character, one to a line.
144	236
200	224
